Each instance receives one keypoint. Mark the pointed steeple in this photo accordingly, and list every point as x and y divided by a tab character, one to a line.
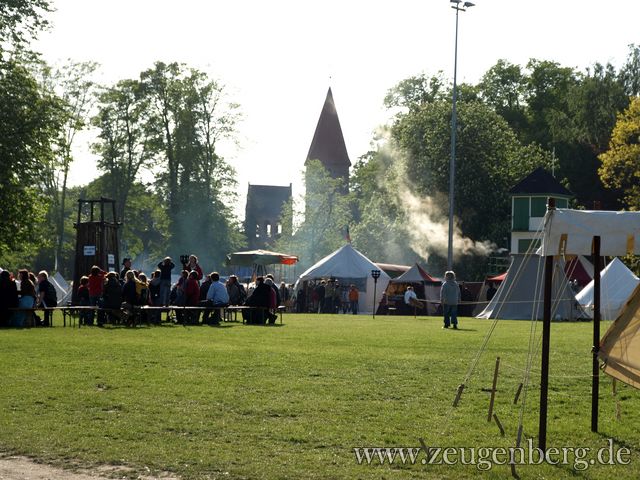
328	142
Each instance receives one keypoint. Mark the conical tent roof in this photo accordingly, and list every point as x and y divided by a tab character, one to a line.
617	283
415	274
520	295
620	346
348	264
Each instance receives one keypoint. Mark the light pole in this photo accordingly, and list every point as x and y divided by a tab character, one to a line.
454	122
376	275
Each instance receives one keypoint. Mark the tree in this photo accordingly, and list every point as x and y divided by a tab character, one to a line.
630	72
566	112
503	88
73	85
621	163
326	217
380	223
489	160
123	140
547	94
416	91
188	116
30	122
20	21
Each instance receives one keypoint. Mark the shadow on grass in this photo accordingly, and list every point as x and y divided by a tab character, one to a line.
277	325
164	325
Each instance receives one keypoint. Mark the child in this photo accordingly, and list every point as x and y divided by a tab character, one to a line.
83	300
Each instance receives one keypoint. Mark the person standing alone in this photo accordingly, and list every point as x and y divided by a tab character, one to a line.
449	298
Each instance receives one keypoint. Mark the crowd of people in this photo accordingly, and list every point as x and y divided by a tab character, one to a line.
116	293
24	291
328	296
113	296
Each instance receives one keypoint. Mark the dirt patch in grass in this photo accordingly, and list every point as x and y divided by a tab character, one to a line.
23	468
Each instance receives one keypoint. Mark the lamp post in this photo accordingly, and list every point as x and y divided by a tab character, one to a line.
375	274
454	121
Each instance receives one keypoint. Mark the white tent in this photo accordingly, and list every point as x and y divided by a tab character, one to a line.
617	285
350	266
620	346
63	290
571	232
520	296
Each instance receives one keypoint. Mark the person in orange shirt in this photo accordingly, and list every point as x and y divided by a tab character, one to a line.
354	296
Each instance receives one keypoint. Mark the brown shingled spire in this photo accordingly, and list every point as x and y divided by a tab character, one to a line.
328	142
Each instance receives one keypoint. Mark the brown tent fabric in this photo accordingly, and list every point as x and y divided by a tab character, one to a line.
620	346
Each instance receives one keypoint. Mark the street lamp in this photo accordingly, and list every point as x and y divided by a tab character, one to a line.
376	275
454	120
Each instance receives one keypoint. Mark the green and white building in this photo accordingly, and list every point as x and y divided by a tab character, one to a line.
529	205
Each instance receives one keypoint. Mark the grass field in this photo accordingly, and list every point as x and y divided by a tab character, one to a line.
293	401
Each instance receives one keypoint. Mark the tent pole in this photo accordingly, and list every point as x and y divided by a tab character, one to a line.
595	385
544	369
546	335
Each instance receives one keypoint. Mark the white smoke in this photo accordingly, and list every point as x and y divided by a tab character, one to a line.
427	222
428	229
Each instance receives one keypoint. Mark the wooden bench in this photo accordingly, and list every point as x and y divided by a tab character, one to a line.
232	310
29	321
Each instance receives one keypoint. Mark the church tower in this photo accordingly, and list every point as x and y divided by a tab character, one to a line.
328	143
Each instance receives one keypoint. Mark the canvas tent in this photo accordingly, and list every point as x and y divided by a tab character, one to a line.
620	346
63	290
426	287
348	265
520	295
579	269
617	285
481	301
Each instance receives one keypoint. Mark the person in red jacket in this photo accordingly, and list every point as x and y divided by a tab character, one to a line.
193	265
95	286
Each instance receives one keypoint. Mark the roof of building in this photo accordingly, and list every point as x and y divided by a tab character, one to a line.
540	182
328	142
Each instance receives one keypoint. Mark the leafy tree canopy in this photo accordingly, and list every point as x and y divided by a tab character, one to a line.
621	163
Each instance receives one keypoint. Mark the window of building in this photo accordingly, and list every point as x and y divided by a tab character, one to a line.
538	206
528	243
521	213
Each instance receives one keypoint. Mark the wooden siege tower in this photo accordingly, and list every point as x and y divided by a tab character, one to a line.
96	239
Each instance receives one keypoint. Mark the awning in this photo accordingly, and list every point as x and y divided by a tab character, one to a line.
260	257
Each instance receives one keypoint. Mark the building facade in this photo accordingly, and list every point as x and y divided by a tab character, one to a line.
529	205
263	214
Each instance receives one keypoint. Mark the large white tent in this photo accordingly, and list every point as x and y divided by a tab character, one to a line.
617	285
520	295
348	265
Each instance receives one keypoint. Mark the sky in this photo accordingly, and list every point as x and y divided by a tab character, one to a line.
277	59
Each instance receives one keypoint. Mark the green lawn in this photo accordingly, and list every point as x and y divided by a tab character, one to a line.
293	401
